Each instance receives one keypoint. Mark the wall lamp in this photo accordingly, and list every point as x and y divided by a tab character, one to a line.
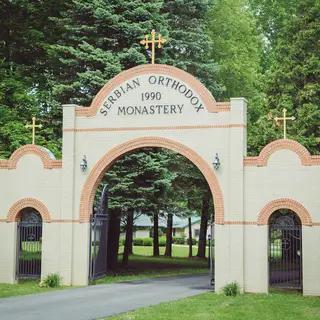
216	162
84	164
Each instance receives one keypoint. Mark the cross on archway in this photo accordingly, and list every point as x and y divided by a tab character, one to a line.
153	41
284	119
33	126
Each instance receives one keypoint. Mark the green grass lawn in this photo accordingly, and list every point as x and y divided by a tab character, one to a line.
177	251
24	287
245	307
143	265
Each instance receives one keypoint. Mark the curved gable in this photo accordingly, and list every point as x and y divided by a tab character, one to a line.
282	144
44	154
209	102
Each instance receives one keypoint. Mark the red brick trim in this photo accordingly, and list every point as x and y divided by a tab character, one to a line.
287	144
284	203
13	214
218	126
196	85
64	221
96	174
240	222
48	163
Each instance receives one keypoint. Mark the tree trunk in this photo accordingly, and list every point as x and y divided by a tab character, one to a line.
203	228
190	237
168	251
156	252
130	244
113	238
129	231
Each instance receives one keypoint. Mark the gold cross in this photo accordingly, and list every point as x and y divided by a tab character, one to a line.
33	126
284	110
146	42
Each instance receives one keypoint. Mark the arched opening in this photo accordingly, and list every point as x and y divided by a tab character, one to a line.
29	243
160	210
285	250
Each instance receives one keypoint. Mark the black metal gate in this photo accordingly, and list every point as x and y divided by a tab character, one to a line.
99	239
285	253
29	249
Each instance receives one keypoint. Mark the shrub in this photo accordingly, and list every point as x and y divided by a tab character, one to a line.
52	280
178	240
122	241
194	241
162	241
231	289
138	241
148	242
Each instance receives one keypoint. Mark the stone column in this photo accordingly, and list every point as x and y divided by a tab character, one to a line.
67	193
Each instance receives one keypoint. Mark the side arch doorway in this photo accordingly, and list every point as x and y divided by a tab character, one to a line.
29	244
285	250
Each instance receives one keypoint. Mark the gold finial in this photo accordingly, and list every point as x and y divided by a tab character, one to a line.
153	41
284	119
33	126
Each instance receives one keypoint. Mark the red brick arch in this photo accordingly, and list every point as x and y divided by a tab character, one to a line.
13	214
283	144
96	174
284	203
42	153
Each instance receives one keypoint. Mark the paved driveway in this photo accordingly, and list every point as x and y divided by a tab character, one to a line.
102	300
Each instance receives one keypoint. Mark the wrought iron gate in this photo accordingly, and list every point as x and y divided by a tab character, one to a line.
99	239
285	253
29	249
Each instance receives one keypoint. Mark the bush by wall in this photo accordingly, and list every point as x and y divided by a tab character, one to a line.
231	289
52	280
122	241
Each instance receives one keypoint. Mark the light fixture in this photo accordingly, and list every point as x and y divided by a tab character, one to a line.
216	162
84	164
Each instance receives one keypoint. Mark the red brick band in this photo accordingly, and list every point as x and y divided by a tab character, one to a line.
218	126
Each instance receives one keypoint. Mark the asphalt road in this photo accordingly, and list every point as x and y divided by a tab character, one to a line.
102	300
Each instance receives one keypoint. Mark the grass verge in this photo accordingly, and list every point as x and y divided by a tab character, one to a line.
249	306
24	287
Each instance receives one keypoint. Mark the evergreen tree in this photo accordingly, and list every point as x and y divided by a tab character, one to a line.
293	81
100	39
189	45
24	92
237	48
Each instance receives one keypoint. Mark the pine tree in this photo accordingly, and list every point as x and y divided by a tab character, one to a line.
189	45
293	81
101	39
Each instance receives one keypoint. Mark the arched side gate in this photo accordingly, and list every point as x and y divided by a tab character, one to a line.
285	250
29	244
99	239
